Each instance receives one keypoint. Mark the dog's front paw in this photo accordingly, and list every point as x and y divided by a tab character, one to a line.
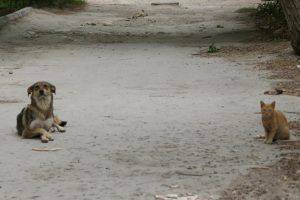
44	139
49	137
61	129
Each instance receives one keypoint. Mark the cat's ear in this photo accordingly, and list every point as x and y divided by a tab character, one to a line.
273	104
262	104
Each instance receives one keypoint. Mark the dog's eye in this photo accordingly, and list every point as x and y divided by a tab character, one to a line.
37	88
46	86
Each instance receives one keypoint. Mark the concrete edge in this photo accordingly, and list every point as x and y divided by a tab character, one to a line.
14	16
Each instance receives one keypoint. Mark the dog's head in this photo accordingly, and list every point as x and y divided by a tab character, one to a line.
42	93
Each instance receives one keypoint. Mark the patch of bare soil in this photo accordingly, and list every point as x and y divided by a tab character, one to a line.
70	9
289	144
295	125
242	49
279	181
5	11
284	67
281	63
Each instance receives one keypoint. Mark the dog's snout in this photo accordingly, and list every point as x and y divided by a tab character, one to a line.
42	92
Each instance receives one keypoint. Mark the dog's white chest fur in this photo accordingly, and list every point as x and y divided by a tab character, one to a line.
46	124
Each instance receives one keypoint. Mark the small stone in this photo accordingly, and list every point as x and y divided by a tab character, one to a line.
107	24
172	196
284	178
159	197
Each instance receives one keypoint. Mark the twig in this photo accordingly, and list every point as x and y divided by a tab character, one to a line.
164	4
290	112
289	141
260	167
53	149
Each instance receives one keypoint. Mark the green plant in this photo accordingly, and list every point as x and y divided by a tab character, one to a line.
212	48
270	16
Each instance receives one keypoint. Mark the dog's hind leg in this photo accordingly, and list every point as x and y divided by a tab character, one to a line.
42	133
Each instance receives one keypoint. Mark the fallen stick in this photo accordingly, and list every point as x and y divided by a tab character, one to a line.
291	112
165	4
282	146
260	167
282	142
44	149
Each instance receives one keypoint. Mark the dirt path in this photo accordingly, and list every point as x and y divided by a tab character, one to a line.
145	119
109	21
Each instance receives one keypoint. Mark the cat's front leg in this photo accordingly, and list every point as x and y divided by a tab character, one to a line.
270	136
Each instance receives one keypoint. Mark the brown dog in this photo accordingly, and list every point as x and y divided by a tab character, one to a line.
36	119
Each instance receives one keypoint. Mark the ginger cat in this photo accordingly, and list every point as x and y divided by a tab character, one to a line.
274	122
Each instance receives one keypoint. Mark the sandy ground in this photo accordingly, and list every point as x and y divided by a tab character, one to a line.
145	118
191	22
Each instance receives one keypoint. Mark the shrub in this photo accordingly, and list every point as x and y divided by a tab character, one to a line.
17	4
270	17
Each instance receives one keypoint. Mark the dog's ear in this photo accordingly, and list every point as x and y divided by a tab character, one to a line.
53	88
30	90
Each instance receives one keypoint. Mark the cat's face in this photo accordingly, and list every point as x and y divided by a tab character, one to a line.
267	110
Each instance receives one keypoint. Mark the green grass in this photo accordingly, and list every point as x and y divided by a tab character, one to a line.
269	18
212	49
271	9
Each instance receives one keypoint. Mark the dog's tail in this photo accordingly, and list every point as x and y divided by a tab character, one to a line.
59	122
20	126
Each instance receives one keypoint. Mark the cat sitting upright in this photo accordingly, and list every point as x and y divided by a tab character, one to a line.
275	123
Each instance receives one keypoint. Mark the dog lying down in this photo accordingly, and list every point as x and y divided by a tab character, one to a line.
37	119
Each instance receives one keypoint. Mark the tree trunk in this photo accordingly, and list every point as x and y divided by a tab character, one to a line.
291	10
